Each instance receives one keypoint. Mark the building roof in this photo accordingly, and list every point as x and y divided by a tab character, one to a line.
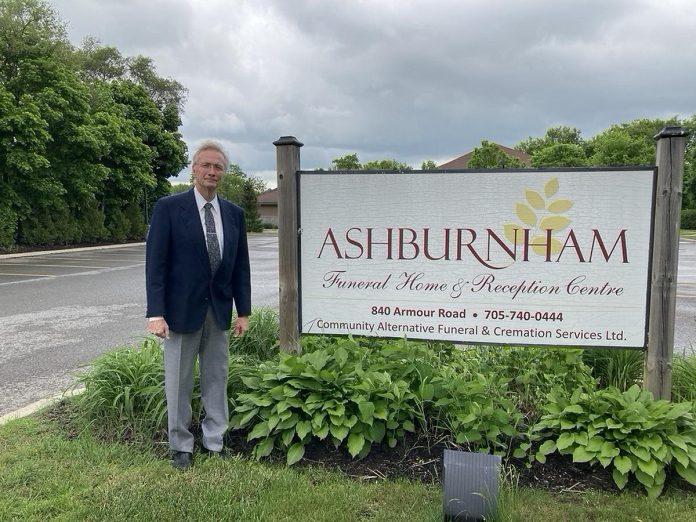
462	162
270	197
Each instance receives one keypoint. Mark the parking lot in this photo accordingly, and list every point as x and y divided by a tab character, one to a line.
32	266
60	310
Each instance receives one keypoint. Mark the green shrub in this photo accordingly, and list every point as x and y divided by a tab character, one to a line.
532	372
261	339
8	225
360	391
684	379
617	367
328	393
629	431
90	219
51	225
117	224
688	219
136	221
475	410
124	390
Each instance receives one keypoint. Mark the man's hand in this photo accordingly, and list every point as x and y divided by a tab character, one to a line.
158	327
241	325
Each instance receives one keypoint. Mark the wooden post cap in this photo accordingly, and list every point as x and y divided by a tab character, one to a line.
671	132
287	140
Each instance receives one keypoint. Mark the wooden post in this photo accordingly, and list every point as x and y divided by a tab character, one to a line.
288	163
665	257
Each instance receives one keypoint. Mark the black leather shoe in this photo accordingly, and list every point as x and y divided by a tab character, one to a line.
223	454
181	460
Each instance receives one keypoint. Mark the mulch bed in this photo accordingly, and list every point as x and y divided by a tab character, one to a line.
416	458
420	459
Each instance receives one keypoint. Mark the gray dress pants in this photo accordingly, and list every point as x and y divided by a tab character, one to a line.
210	345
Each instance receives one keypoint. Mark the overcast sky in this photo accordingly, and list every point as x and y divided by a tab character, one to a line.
408	79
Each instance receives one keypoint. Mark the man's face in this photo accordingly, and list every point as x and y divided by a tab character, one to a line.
208	170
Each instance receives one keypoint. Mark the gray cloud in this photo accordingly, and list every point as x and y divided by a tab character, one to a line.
412	79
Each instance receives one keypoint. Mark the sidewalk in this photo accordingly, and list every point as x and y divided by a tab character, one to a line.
67	249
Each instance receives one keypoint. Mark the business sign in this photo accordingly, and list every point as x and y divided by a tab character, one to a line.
511	257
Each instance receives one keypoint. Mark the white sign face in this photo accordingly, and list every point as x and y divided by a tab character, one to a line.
531	257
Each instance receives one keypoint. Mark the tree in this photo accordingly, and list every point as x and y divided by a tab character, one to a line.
177	188
428	165
689	191
100	63
627	143
490	156
243	190
84	149
23	140
347	162
560	155
165	92
554	136
351	162
250	205
29	29
387	164
232	185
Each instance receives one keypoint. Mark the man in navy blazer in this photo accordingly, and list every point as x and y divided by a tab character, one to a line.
197	266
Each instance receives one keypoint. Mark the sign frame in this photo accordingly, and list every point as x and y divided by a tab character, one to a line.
652	171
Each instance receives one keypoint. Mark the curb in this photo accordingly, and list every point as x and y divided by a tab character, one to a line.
64	250
38	405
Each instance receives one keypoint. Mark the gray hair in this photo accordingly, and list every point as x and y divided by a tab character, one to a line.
210	145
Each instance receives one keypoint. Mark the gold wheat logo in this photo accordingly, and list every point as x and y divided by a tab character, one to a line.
540	213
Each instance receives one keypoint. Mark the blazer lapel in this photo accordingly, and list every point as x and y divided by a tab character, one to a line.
230	232
192	222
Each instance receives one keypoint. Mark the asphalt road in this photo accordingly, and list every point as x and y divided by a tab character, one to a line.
58	311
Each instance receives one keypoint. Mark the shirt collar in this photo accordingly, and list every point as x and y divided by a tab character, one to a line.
201	201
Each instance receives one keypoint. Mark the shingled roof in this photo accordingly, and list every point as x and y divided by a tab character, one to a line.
462	162
270	197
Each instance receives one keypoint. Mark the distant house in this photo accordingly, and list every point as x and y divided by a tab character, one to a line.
462	162
268	206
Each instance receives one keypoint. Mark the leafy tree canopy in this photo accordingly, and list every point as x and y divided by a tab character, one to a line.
234	181
554	136
626	144
347	162
560	155
29	29
387	164
351	162
490	156
88	137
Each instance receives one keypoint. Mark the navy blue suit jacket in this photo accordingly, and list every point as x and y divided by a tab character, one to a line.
178	278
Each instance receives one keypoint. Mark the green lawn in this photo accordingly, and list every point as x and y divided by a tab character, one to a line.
47	475
688	234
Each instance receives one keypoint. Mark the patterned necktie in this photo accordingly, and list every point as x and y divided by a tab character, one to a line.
211	239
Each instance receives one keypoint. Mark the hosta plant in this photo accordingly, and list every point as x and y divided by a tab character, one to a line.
331	393
628	431
476	411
